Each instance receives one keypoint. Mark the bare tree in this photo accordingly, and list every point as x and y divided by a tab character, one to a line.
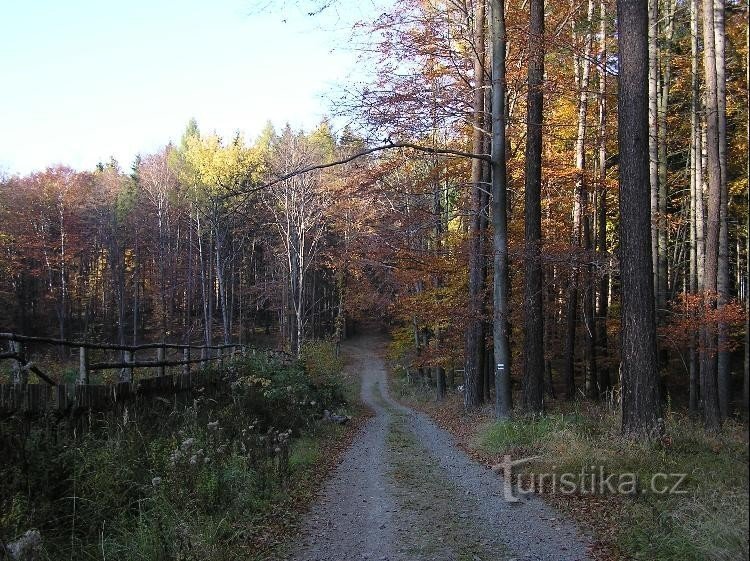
297	206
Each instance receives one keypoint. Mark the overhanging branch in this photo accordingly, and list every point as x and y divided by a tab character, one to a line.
389	145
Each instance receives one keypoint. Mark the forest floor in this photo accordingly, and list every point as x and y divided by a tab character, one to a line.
404	490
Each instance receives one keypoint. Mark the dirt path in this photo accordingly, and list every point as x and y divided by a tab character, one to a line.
403	491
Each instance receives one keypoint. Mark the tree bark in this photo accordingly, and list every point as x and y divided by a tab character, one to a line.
653	132
665	65
474	341
533	375
746	377
582	69
641	408
503	402
603	298
724	375
709	384
696	200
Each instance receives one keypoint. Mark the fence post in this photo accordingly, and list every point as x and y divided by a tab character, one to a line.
160	354
220	355
186	357
20	376
126	374
204	353
83	366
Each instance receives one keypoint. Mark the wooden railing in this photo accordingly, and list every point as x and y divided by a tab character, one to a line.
19	395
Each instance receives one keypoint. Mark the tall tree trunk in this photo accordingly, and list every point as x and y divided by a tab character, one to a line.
532	397
641	408
696	198
588	271
709	384
724	375
582	70
474	342
746	377
437	211
653	132
503	402
665	65
603	298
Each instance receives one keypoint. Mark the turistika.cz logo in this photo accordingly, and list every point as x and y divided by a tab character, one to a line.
591	480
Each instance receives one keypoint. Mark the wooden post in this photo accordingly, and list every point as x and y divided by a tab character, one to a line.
220	355
83	366
186	357
126	374
20	375
160	354
204	356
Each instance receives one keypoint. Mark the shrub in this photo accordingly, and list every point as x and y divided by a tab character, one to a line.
159	482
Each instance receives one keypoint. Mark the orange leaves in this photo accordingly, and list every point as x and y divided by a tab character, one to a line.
689	313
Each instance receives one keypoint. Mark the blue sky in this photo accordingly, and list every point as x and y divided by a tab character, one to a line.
81	80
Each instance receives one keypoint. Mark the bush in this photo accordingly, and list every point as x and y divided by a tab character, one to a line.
159	482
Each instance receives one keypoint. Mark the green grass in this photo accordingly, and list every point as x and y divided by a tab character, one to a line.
709	521
527	433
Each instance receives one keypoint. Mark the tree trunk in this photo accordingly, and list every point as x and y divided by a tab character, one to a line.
582	70
709	385
503	403
641	409
662	288
724	375
603	298
696	200
474	341
532	397
653	132
746	377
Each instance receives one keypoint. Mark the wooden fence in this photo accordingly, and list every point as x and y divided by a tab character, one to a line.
20	396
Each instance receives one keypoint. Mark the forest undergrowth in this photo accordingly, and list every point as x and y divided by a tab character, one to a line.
221	476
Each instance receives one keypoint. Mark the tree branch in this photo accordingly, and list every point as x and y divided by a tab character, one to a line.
389	145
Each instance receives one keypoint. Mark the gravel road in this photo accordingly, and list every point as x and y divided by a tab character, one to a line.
404	491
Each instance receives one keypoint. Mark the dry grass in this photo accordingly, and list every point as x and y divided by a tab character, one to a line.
709	521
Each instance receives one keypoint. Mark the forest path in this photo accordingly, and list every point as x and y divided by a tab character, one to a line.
404	491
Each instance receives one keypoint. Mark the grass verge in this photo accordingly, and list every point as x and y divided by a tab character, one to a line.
706	520
705	517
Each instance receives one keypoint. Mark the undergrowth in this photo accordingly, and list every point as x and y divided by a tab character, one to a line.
171	481
706	518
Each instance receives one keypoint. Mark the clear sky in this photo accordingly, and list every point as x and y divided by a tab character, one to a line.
83	80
